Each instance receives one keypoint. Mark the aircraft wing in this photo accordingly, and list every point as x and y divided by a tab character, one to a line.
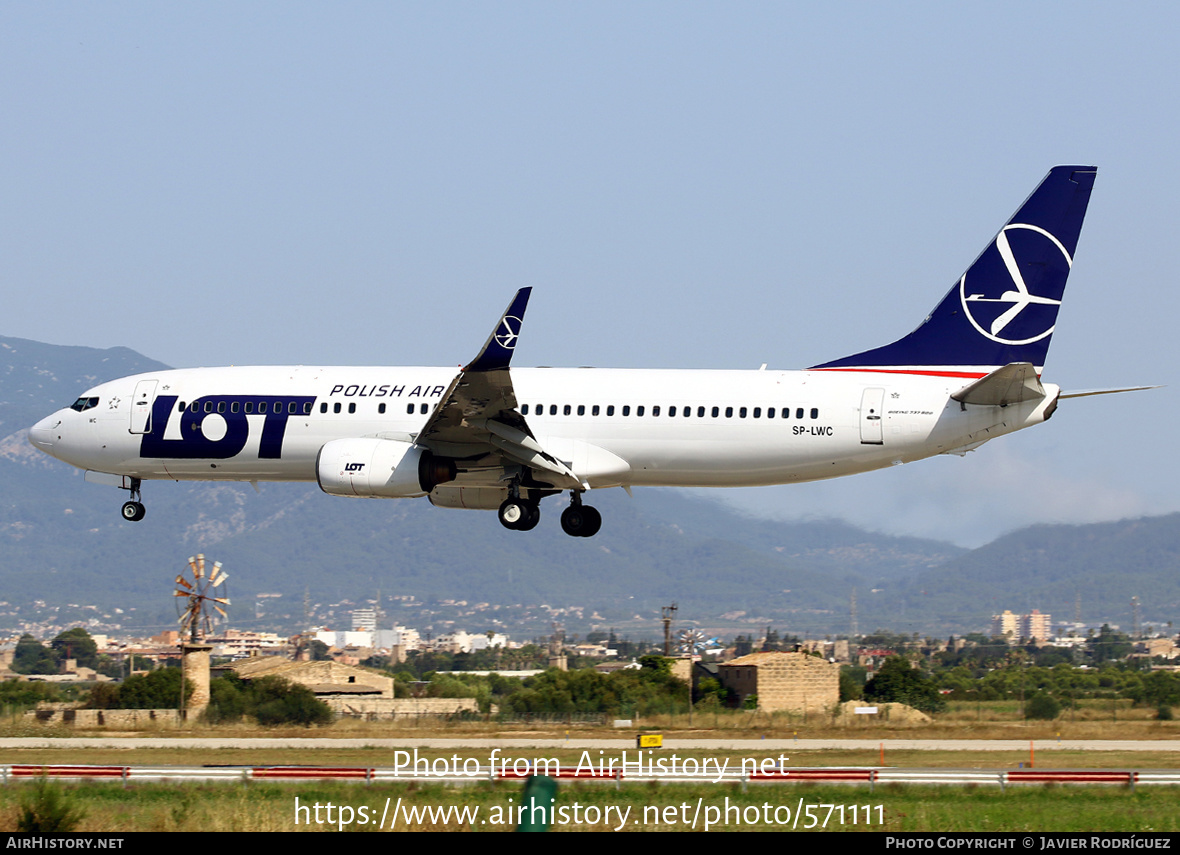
478	414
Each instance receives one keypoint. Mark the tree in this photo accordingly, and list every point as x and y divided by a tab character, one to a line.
33	657
270	700
897	682
1108	645
156	690
76	644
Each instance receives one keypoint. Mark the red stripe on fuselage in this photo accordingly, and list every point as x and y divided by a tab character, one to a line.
923	372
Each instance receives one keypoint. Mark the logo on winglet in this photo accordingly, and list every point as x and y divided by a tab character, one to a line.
508	332
1018	299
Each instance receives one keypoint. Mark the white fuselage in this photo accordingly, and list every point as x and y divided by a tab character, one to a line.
616	427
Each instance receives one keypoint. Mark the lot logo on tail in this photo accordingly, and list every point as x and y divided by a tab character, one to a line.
1014	306
508	331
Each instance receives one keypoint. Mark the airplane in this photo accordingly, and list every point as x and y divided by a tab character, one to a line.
493	437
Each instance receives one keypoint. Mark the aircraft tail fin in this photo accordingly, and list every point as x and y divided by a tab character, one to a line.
1004	308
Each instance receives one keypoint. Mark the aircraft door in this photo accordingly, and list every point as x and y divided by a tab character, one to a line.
141	406
872	406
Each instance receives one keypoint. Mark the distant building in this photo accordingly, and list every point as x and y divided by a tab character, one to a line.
364	620
786	682
1005	625
1033	626
1036	626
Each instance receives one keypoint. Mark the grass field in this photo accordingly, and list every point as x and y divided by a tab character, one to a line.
256	806
637	807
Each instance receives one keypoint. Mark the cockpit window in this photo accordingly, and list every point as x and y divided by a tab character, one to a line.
83	404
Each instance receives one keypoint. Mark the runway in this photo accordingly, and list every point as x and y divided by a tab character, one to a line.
616	744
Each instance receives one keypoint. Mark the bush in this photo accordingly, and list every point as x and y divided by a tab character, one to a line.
1042	707
48	808
270	700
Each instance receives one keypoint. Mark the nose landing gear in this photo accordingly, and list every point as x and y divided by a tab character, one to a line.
134	510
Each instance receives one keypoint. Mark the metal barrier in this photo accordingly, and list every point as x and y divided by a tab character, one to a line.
856	775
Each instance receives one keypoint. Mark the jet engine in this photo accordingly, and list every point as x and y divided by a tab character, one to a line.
380	468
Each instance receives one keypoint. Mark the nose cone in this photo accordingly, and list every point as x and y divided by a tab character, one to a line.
44	434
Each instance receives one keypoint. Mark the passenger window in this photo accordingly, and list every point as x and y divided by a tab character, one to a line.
336	407
581	409
293	408
351	408
770	412
594	410
409	409
716	412
700	412
208	406
179	407
194	407
323	408
423	409
307	408
262	406
814	413
799	412
626	409
566	410
381	409
553	409
610	410
250	407
524	409
655	411
233	408
729	412
742	413
639	411
757	412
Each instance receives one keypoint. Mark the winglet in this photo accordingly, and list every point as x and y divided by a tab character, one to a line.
497	350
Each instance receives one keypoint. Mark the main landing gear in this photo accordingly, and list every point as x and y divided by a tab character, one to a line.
580	520
519	514
577	520
134	511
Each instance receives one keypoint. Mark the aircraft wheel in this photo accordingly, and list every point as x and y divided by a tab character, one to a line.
592	521
573	520
514	513
133	511
534	516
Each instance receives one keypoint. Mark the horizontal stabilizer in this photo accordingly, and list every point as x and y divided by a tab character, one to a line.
1085	393
1011	384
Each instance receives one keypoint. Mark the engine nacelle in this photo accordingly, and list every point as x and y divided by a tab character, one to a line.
380	468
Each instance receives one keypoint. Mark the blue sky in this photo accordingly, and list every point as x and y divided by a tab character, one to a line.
683	185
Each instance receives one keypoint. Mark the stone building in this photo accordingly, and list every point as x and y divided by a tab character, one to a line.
350	690
783	682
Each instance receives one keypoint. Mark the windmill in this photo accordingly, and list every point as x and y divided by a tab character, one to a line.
694	642
198	590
